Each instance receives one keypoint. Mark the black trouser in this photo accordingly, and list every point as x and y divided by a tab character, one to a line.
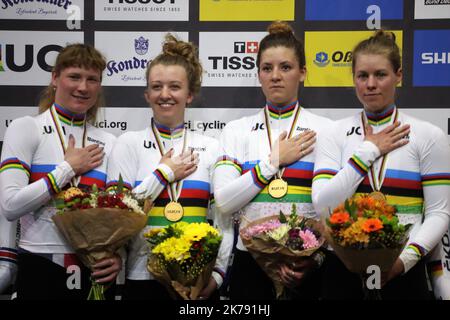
38	278
249	282
340	284
151	290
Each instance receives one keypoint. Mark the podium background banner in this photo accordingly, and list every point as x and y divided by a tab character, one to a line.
129	33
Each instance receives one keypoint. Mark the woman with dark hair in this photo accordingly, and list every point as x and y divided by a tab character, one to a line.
274	146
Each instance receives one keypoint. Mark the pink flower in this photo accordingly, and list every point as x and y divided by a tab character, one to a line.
309	239
262	228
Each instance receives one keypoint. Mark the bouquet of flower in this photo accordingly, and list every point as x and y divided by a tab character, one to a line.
183	256
364	231
97	223
281	239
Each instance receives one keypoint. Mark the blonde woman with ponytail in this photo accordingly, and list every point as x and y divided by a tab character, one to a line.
164	155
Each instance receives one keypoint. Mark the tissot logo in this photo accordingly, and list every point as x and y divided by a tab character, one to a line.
246	47
229	58
236	62
142	10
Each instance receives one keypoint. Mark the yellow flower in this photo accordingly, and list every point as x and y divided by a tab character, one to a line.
153	232
354	234
197	231
173	249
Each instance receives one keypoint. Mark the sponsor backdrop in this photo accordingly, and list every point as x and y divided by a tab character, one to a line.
130	32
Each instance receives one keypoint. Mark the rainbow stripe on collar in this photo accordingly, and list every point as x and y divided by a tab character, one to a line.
281	112
169	133
380	118
68	117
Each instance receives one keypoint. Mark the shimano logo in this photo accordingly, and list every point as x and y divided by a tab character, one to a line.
435	58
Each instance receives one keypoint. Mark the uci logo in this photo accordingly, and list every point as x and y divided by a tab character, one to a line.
149	144
356	130
41	55
258	126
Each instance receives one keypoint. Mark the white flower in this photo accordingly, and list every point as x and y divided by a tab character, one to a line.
278	233
132	204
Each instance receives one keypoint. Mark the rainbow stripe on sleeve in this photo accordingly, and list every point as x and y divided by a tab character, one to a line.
418	250
436	179
324	174
258	179
360	167
228	161
15	163
161	176
52	186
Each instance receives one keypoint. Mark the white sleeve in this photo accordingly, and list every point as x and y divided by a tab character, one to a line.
18	196
124	161
435	174
232	189
333	180
8	253
154	184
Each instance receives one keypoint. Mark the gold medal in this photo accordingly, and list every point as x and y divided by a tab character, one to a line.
173	211
278	188
377	195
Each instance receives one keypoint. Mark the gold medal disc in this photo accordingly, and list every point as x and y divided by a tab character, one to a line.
377	195
278	188
173	211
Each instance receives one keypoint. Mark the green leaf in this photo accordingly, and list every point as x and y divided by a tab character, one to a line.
351	209
282	217
60	204
120	184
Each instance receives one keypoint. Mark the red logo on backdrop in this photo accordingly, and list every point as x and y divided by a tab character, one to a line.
251	47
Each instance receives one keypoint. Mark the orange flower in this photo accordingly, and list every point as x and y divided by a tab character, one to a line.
339	217
372	225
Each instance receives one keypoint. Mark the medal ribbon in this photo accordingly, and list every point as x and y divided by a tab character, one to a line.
75	180
174	188
279	174
376	179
